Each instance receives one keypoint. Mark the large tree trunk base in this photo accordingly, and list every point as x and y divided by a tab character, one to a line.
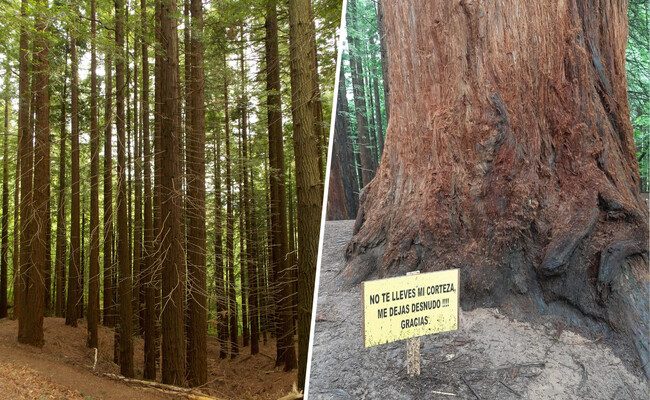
531	282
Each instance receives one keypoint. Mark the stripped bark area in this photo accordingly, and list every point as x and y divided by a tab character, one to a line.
510	155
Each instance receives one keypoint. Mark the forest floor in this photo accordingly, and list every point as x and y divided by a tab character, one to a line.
63	369
490	357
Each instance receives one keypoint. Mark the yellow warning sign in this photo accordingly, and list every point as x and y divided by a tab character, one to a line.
410	306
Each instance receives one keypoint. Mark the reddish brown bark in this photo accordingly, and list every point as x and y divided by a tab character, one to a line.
150	316
195	152
230	248
93	276
61	237
280	268
308	183
74	289
26	161
4	260
368	166
244	234
219	280
510	154
109	267
171	208
30	320
123	256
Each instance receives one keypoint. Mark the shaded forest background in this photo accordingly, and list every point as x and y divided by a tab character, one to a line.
363	108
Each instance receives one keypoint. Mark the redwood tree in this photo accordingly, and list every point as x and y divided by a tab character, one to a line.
109	268
342	197
74	289
510	155
123	256
4	248
30	322
308	182
171	211
61	237
195	153
280	269
93	277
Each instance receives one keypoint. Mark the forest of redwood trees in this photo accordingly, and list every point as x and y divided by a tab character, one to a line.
162	174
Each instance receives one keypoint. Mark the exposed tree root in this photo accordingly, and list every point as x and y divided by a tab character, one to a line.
169	389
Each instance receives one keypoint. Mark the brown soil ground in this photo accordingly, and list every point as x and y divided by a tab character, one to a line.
62	369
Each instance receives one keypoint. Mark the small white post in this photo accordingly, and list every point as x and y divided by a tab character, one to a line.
413	350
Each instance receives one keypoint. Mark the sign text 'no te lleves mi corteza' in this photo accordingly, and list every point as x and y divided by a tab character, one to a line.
410	306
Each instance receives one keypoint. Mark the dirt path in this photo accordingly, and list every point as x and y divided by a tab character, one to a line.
493	356
62	369
56	372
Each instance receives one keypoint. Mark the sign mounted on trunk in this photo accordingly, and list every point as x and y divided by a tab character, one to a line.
410	306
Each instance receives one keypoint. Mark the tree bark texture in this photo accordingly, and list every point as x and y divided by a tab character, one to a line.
93	276
308	182
281	289
171	211
342	197
364	142
510	155
195	153
109	267
123	256
61	236
4	250
150	316
30	322
74	269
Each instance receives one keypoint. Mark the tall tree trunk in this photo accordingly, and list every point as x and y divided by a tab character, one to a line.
150	316
270	320
384	57
124	265
219	281
173	262
156	206
138	296
109	267
245	261
243	285
15	264
195	141
74	276
281	269
4	261
26	161
342	199
30	322
253	287
82	271
317	103
379	131
266	310
250	262
526	153
293	251
363	138
230	248
61	236
308	183
372	126
93	270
